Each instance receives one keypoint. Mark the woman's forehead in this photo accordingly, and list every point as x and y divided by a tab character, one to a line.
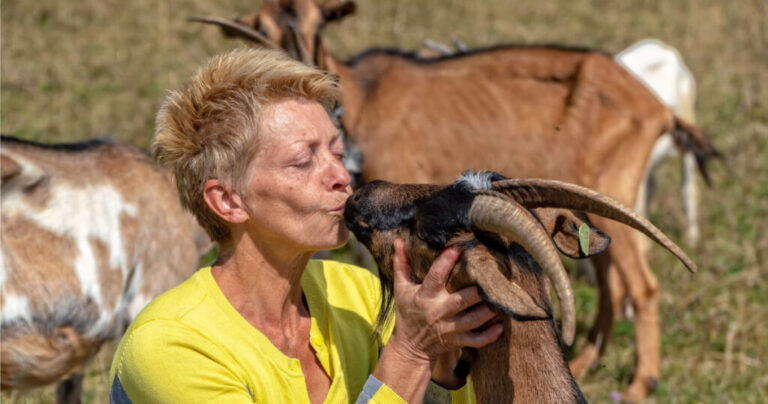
289	126
296	118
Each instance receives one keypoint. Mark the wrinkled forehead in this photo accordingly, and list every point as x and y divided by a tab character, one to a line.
291	120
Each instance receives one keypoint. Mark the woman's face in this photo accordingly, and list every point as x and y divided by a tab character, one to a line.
297	182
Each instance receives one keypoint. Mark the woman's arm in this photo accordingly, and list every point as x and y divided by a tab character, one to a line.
430	322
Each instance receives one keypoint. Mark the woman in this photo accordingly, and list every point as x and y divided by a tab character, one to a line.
256	158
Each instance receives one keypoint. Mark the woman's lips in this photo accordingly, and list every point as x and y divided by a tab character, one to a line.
339	210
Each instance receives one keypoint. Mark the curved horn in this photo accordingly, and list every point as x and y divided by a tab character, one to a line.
537	193
243	30
499	214
302	48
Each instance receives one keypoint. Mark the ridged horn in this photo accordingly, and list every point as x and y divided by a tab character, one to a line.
539	193
302	48
497	213
245	31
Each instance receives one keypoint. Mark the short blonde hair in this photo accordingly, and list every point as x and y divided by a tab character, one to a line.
209	129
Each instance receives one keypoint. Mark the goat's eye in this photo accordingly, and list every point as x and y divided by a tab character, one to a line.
420	236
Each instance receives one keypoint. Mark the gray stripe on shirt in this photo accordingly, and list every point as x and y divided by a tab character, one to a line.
371	387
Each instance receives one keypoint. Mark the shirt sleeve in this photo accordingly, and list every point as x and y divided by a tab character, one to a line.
166	362
376	392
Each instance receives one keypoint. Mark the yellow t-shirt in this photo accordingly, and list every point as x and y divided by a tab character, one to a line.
190	345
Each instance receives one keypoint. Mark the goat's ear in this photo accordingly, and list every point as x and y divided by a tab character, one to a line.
563	226
502	293
21	173
335	10
9	168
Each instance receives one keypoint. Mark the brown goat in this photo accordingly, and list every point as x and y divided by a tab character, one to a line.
488	217
91	232
527	111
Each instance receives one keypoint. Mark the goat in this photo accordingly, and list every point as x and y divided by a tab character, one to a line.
569	114
503	227
91	231
661	67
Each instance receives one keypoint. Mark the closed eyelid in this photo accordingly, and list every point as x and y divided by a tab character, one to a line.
337	138
298	156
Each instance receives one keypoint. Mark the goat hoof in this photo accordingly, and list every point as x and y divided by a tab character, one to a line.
639	389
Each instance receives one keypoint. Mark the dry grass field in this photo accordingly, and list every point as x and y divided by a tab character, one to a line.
74	70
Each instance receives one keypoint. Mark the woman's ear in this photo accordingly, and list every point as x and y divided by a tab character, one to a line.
224	201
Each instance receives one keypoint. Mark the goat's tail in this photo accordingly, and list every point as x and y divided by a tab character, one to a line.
32	359
690	139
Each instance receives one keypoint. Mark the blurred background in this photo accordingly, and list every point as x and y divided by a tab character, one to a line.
74	70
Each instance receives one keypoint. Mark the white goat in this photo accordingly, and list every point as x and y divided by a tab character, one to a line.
661	68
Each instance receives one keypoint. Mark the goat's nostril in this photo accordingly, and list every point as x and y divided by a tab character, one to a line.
356	198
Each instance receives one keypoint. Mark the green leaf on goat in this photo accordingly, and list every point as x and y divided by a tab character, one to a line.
584	238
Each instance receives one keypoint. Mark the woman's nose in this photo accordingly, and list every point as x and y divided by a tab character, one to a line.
336	177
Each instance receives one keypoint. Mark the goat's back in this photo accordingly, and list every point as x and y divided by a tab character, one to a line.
524	111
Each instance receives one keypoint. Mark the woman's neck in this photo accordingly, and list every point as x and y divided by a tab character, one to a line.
262	280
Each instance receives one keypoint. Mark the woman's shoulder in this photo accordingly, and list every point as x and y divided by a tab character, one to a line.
176	302
172	320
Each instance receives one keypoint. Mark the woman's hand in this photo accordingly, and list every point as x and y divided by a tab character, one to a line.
430	322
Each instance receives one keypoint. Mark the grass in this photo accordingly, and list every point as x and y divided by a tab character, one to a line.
81	69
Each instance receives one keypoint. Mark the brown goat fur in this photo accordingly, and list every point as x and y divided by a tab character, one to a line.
91	232
573	115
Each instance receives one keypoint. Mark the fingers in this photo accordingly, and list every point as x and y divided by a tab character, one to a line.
402	271
458	331
467	321
479	340
473	318
462	300
438	273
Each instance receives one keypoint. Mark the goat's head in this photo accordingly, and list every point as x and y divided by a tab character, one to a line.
292	25
483	213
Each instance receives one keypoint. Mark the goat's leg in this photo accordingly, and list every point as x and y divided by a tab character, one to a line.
643	291
611	291
69	391
690	198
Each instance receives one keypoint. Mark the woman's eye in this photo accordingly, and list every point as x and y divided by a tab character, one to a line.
301	163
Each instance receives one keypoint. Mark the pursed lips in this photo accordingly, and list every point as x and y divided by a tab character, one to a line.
338	211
